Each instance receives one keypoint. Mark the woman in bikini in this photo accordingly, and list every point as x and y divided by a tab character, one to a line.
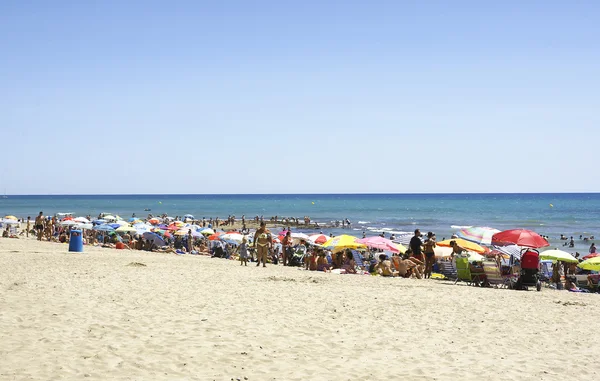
286	245
428	247
262	242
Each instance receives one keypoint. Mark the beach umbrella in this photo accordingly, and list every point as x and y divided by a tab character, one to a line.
300	236
84	226
467	245
67	218
153	237
109	218
558	255
126	229
154	221
380	243
104	228
142	228
215	236
519	237
481	235
10	222
121	222
592	264
233	236
318	238
589	256
10	218
207	231
68	223
188	216
342	242
82	220
99	222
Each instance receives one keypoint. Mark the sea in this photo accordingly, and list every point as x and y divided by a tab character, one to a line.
551	214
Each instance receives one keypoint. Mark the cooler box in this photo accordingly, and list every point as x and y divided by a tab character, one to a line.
76	241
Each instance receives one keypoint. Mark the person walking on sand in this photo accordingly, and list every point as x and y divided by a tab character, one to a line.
262	242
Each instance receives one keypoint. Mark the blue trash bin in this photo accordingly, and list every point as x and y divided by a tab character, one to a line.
76	241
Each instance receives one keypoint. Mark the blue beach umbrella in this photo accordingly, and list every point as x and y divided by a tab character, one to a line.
114	226
104	228
153	237
99	222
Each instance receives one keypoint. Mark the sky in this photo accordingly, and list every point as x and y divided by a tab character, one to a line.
132	97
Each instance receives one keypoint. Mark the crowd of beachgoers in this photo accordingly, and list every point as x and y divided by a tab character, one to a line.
251	241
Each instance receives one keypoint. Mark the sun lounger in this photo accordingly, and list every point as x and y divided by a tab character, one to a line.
494	276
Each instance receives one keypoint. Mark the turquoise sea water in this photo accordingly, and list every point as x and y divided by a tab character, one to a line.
571	214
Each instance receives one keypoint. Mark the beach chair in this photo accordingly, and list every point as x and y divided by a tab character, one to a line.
464	273
448	269
494	276
358	259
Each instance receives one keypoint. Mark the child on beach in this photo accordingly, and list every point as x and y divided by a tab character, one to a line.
243	251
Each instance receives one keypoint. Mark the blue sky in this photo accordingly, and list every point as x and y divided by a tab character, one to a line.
299	97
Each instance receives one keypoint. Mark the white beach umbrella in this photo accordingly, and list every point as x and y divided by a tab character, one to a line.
68	223
82	220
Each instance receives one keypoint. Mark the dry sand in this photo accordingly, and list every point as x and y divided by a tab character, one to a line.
95	316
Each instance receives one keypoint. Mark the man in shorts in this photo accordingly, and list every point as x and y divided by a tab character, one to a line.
39	225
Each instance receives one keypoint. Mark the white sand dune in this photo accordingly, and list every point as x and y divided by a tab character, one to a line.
93	316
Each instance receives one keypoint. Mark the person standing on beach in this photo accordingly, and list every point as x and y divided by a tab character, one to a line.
263	243
429	247
592	248
286	246
29	226
416	244
39	225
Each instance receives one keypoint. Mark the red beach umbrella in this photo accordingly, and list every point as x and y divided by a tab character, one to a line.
593	255
519	237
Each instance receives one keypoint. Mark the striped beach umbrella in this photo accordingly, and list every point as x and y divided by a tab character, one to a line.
481	235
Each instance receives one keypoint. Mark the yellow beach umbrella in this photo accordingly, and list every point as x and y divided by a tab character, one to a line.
467	245
11	218
591	264
558	255
343	241
401	248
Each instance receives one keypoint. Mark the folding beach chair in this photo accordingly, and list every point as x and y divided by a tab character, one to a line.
494	276
358	259
464	273
448	268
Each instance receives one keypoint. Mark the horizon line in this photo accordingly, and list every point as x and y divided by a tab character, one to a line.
294	194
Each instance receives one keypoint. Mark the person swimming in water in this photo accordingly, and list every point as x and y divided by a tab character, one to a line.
263	242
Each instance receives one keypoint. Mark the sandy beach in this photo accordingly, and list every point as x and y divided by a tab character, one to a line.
102	315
